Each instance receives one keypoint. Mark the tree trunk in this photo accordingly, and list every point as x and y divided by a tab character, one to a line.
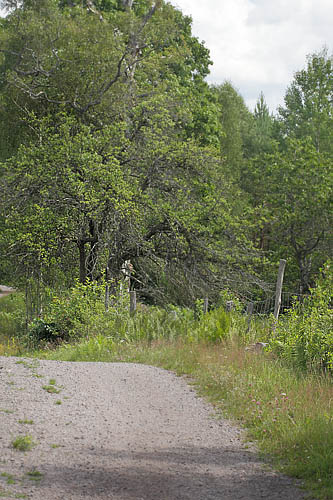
304	272
82	252
91	261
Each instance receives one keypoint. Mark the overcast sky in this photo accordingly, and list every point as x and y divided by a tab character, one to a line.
259	44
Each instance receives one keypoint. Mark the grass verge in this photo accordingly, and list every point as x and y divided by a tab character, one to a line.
288	414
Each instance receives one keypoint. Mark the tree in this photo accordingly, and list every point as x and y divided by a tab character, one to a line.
68	201
236	120
308	110
262	138
294	191
115	160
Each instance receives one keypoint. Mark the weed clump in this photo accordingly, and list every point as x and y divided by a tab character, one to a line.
23	443
51	389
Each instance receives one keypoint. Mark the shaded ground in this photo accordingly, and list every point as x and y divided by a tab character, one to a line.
121	431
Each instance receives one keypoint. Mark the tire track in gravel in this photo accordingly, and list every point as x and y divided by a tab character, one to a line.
121	431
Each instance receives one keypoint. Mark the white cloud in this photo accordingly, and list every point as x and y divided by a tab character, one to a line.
259	44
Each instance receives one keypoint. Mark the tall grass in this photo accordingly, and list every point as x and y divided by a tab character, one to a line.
12	320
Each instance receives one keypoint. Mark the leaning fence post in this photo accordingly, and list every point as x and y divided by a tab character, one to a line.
278	291
205	305
132	302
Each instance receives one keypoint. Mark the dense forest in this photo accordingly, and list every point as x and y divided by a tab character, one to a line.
114	148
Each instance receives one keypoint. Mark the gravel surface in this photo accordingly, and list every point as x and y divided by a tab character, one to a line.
121	431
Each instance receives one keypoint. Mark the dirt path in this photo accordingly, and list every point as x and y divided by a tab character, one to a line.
124	432
5	290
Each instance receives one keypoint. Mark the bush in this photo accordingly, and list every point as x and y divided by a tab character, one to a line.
39	331
68	316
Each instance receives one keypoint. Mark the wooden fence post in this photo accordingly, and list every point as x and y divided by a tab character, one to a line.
205	305
107	297
132	302
229	305
249	312
278	291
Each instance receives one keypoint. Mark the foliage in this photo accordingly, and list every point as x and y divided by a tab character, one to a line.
87	319
292	191
305	336
73	198
117	158
12	316
235	120
68	315
308	103
67	189
113	147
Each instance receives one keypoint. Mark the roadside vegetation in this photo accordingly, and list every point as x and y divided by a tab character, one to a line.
281	395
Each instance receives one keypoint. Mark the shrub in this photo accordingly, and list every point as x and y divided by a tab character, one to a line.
39	330
69	315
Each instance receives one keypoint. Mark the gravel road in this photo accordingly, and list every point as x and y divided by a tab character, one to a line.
121	431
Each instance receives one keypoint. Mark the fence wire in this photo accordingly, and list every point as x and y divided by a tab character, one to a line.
267	305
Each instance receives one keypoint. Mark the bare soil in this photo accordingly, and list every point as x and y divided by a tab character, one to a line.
121	431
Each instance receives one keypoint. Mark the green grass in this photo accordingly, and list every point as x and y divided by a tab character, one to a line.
26	421
35	475
10	494
23	443
31	364
5	493
51	389
9	477
12	310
